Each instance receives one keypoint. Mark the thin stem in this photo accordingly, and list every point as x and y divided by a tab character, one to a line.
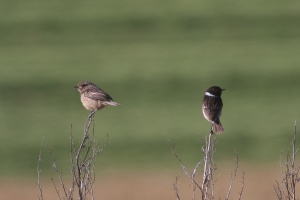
206	157
173	148
293	163
233	176
73	167
58	173
207	171
193	179
40	195
242	187
176	189
80	183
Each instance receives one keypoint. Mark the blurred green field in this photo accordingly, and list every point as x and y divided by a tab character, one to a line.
156	58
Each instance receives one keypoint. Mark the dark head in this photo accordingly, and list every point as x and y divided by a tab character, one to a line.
215	90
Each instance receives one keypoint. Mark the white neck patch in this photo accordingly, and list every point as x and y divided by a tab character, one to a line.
209	94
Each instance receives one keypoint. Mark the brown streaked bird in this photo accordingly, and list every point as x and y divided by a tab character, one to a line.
212	108
93	98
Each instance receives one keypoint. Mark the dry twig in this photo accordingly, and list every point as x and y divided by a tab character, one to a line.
286	188
207	187
82	165
207	183
176	189
233	176
39	185
242	187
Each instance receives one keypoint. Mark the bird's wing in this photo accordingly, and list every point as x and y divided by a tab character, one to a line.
218	104
98	95
217	107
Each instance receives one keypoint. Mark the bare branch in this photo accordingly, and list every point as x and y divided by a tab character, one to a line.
58	172
73	167
289	173
207	187
56	189
40	189
79	164
173	148
82	165
206	157
193	178
207	184
176	189
233	175
242	188
278	190
293	182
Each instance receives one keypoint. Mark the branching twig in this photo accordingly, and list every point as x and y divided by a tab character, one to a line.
293	182
82	165
290	175
278	190
56	189
193	178
173	148
207	183
207	187
58	173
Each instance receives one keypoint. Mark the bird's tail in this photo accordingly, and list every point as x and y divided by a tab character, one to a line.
111	103
218	128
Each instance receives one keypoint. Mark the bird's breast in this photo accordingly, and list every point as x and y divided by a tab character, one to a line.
90	104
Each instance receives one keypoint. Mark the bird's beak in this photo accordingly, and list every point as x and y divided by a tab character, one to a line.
223	89
76	86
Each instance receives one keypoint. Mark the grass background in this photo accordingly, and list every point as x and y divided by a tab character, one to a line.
156	58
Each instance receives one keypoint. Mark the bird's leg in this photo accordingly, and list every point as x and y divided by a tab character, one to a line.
92	113
211	129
